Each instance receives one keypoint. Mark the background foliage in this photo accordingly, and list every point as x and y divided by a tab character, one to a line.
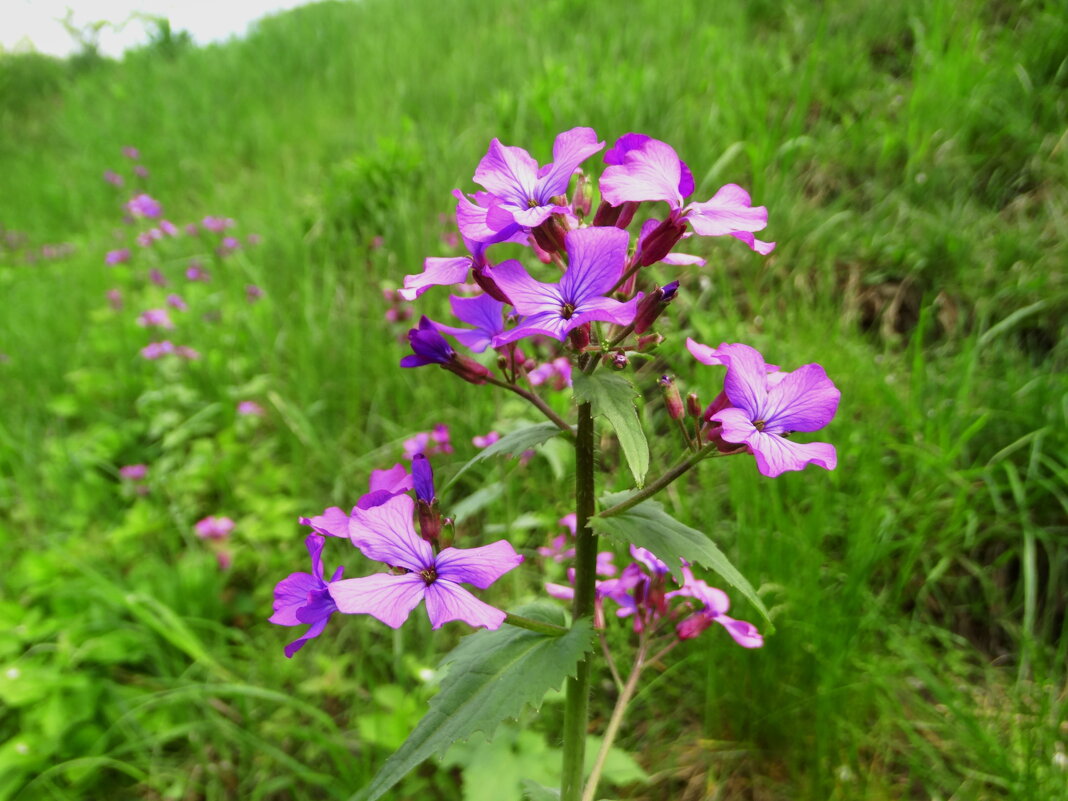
912	157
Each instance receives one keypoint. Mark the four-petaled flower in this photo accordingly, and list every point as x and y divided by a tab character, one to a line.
765	408
596	259
385	534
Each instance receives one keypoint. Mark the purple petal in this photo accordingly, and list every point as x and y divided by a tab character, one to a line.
436	272
570	149
527	295
745	634
509	173
804	400
561	591
478	566
549	324
705	354
333	522
314	543
763	248
319	607
650	172
727	212
471	219
423	478
446	601
395	479
485	313
746	381
290	594
385	534
384	596
629	141
314	631
605	309
776	455
596	259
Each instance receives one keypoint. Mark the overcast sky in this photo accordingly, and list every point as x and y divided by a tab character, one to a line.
37	21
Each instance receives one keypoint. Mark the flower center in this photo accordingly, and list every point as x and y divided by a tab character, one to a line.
532	203
429	574
759	424
566	311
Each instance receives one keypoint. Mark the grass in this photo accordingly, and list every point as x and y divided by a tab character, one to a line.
912	157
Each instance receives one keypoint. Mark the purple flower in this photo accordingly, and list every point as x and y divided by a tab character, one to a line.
645	169
472	218
115	299
113	178
438	271
169	228
131	153
141	171
144	206
194	272
155	350
596	260
767	408
133	472
214	528
522	192
485	440
228	245
156	277
386	534
250	408
217	224
430	347
119	256
155	318
253	293
304	598
715	605
558	371
558	549
176	302
423	478
484	313
187	353
191	229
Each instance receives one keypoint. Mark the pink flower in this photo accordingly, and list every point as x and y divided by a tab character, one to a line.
253	293
175	302
155	350
194	272
214	528
113	178
558	371
217	224
114	257
144	206
485	440
141	171
134	472
131	153
169	228
157	318
157	278
250	409
191	229
115	299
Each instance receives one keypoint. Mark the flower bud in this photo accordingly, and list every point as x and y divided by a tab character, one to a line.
693	405
619	216
468	369
652	306
549	236
429	520
619	360
660	241
579	338
488	285
580	203
672	399
649	342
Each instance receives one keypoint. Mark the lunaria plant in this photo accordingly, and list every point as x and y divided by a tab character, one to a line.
579	316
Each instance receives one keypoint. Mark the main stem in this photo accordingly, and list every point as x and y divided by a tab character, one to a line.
576	709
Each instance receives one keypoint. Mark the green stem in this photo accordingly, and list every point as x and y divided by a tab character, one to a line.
534	625
541	405
614	723
576	705
654	487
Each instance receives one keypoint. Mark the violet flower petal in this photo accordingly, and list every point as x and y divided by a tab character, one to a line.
385	533
333	522
596	259
446	601
436	272
726	212
570	149
745	634
478	566
386	597
651	172
804	400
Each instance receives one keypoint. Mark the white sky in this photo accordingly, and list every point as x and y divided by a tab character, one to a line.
34	24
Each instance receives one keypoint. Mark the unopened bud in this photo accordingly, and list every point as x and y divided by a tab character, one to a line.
580	203
652	306
579	338
660	241
648	342
619	216
549	236
619	360
489	286
429	520
672	398
693	405
468	369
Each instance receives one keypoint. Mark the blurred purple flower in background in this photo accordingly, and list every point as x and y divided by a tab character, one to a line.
144	206
119	256
214	528
113	178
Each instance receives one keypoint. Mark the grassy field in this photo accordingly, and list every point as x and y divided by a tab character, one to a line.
913	160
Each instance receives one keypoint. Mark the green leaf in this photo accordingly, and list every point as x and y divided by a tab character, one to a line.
539	792
647	525
492	676
517	441
613	396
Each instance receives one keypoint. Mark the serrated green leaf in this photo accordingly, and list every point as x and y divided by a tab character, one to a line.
613	396
648	525
511	443
492	676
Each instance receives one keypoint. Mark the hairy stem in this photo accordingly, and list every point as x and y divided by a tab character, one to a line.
614	723
541	405
576	709
655	486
